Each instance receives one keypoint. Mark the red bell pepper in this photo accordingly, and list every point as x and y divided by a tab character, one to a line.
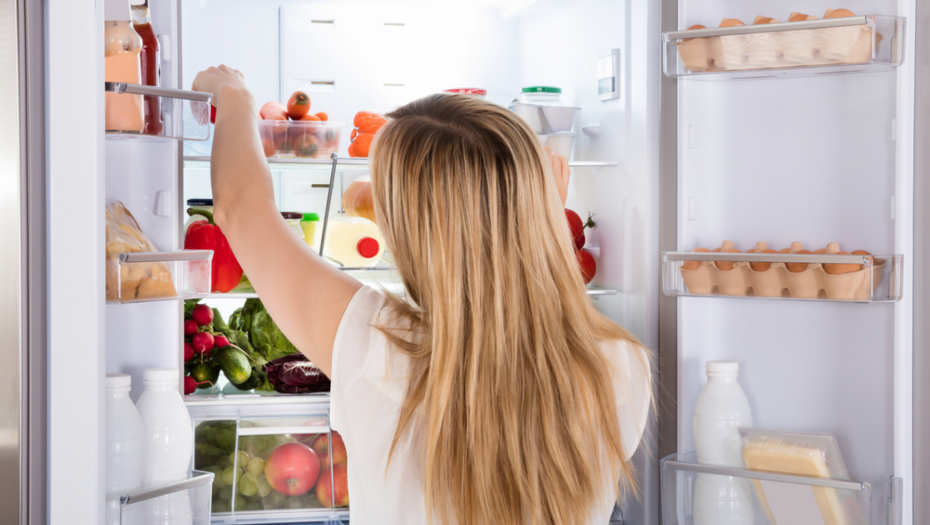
205	235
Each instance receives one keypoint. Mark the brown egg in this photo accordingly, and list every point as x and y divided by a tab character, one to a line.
800	17
697	26
762	266
731	22
797	267
836	269
726	265
764	20
786	250
694	265
820	251
863	252
838	13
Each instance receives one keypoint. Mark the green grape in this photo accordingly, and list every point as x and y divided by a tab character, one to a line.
252	505
220	506
229	476
274	500
243	458
264	489
248	485
226	493
256	466
294	502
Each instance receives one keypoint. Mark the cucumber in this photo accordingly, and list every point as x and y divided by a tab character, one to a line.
235	364
205	371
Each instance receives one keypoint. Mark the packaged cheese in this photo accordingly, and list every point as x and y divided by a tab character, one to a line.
800	454
134	281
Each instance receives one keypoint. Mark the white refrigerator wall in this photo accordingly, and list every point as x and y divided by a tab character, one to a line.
815	160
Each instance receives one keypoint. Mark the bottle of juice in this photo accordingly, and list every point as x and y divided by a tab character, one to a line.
150	60
353	242
122	49
358	200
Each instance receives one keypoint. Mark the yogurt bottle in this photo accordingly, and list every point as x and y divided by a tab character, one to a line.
125	448
169	436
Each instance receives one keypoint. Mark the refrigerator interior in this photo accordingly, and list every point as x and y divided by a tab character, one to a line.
809	158
351	56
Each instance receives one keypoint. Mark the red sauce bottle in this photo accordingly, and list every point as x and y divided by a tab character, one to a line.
151	65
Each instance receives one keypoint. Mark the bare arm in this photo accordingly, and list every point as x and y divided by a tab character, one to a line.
304	294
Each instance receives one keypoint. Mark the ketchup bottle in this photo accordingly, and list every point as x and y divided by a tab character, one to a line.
151	65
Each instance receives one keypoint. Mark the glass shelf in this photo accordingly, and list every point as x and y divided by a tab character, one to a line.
158	276
772	494
185	501
392	287
814	47
865	278
185	114
346	164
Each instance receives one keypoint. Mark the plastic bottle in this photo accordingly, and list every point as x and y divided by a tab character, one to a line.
721	409
352	241
125	446
169	436
150	61
122	63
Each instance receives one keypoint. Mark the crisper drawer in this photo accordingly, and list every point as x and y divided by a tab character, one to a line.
696	494
272	459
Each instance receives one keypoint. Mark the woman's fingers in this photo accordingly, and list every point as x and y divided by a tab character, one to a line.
215	79
560	172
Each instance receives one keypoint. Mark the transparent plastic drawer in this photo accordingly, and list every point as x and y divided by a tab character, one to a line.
861	278
272	459
179	114
833	45
158	276
186	501
694	494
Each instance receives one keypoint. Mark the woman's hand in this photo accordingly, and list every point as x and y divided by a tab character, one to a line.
560	172
222	82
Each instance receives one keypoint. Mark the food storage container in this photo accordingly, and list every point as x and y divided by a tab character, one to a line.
293	219
480	93
158	276
186	501
302	139
544	120
308	224
272	458
541	95
560	143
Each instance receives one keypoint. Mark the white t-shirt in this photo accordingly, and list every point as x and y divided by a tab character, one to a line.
368	386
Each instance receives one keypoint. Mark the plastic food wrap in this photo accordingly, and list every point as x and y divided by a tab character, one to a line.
814	455
135	281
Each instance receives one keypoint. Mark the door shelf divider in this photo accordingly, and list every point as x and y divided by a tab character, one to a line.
814	47
158	276
184	115
850	501
816	277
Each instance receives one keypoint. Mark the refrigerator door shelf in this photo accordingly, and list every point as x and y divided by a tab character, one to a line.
158	276
185	501
815	47
185	114
864	278
778	498
246	443
351	164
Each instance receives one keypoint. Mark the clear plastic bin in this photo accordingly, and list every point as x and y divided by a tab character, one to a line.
866	503
849	44
185	114
878	279
159	276
300	139
186	501
272	458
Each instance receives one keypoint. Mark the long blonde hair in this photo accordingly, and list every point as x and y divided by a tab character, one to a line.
509	386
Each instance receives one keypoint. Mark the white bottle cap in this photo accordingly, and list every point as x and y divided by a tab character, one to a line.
723	368
160	375
118	381
117	11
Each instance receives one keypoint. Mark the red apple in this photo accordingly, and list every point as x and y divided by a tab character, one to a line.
576	226
324	489
320	445
587	265
292	469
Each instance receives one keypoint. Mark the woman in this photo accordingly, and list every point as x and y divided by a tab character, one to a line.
496	393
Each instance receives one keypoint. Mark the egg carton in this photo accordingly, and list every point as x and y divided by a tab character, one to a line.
787	45
769	276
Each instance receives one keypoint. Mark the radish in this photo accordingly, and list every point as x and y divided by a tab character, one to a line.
202	314
191	384
220	341
190	327
188	352
202	342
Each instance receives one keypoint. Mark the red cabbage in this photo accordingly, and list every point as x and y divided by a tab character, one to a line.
295	374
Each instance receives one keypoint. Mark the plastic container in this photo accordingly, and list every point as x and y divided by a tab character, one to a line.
185	502
560	143
721	410
293	220
308	224
168	434
301	139
159	276
545	120
150	62
122	63
541	95
125	453
353	242
478	92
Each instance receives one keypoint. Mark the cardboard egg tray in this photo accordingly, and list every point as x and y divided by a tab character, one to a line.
778	49
777	281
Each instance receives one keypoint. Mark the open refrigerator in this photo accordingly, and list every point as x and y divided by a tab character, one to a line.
682	157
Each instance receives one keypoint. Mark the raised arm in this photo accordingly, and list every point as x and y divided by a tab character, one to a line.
304	294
